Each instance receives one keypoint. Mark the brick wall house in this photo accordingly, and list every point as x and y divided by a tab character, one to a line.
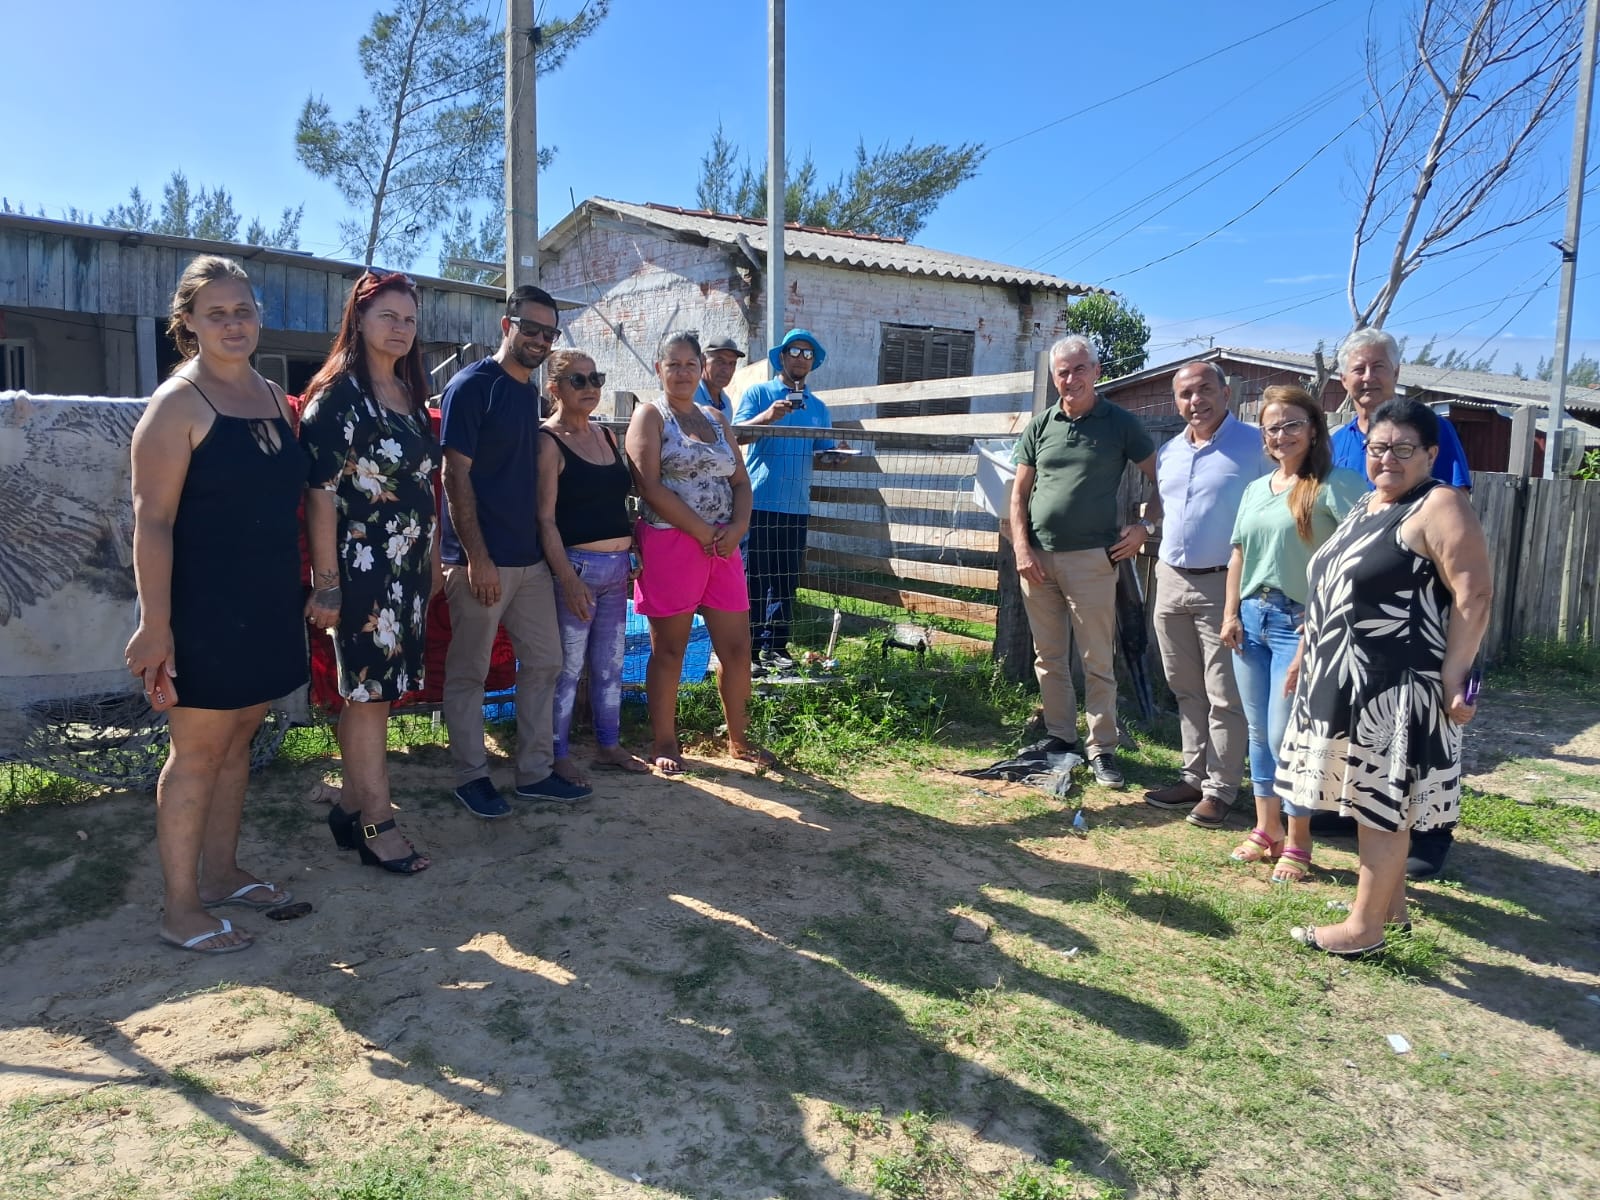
886	310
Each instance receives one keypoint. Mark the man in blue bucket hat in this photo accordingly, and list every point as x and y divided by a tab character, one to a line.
780	479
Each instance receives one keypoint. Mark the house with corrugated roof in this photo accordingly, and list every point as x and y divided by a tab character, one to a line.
887	311
1480	404
84	308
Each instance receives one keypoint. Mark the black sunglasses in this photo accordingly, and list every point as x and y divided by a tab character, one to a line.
385	276
800	352
530	328
578	379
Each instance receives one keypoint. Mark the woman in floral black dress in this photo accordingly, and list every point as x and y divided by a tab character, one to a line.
374	557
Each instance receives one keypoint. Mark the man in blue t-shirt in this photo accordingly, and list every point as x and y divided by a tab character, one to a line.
1369	368
494	568
780	481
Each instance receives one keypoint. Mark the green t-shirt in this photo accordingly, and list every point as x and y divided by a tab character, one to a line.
1274	555
1078	467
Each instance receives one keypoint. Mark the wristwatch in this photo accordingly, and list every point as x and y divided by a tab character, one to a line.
1149	526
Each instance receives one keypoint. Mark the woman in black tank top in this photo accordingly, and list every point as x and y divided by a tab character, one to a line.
217	480
588	539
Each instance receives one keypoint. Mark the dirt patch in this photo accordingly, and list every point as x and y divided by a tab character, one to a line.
1529	746
702	984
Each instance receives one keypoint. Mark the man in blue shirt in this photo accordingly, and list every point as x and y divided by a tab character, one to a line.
1201	475
1369	368
780	481
494	567
722	360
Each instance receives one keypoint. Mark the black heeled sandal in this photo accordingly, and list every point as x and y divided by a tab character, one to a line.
343	827
398	866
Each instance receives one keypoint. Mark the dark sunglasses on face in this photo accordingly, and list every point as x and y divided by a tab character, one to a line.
578	379
800	352
386	276
535	329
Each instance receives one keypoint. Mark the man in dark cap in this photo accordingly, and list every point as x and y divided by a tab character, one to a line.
722	360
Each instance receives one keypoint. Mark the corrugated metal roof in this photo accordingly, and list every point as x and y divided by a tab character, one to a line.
847	249
1488	386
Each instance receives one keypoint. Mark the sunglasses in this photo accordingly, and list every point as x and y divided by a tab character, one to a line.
535	329
386	276
578	379
800	352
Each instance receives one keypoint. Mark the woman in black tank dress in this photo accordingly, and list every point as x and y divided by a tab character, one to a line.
217	480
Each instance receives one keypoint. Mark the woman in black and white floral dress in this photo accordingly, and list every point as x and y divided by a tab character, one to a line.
370	525
1399	602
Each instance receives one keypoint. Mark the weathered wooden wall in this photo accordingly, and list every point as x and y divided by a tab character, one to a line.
80	269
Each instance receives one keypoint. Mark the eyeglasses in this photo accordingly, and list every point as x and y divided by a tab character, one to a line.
578	379
535	329
1283	427
1401	450
800	352
386	276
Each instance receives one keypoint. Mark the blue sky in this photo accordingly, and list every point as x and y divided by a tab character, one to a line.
1082	181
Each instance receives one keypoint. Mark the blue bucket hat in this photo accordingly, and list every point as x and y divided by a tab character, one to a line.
775	355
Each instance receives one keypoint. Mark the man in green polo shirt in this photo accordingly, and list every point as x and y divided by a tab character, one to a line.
1068	538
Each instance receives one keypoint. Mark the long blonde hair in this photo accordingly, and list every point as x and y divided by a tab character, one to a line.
1318	461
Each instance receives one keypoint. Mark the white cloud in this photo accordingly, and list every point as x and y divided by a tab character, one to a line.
1300	278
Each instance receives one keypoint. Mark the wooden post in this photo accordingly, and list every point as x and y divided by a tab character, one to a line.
1520	463
1013	640
144	355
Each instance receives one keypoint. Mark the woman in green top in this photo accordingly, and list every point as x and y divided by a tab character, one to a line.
1282	520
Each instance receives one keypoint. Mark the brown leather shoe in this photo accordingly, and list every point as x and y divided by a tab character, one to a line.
1182	794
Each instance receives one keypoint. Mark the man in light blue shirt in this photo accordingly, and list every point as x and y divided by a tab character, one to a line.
1201	475
780	482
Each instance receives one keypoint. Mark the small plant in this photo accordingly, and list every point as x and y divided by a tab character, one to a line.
862	1124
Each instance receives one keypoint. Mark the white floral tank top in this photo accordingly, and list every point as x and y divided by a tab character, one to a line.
696	472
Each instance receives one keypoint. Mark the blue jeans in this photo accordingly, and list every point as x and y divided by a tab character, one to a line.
597	643
774	560
1271	637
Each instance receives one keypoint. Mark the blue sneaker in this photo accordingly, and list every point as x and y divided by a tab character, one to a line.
553	787
482	799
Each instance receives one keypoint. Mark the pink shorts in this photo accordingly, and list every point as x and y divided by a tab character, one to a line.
679	576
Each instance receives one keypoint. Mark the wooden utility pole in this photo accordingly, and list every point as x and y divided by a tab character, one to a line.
775	172
522	146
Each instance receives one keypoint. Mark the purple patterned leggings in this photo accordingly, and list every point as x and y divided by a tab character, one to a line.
597	641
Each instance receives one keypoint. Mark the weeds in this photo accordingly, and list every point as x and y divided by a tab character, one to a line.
1540	821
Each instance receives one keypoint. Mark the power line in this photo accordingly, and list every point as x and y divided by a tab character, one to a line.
1178	70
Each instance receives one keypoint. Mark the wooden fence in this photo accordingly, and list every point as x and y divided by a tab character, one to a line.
898	525
1544	545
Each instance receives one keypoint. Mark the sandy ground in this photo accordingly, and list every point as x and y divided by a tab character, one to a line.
579	1020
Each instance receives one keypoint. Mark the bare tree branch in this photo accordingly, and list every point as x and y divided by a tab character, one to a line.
1453	131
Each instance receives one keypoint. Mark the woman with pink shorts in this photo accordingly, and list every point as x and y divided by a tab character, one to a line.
696	509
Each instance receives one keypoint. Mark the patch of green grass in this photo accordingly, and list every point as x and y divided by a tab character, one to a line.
22	785
507	1023
816	609
51	876
1547	666
1541	821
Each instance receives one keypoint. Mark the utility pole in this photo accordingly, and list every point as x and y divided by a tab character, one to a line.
775	172
1568	246
522	146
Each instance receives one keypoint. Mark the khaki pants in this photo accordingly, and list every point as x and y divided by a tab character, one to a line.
1199	668
527	608
1076	603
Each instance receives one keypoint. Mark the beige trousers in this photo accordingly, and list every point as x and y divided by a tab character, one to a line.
527	608
1076	603
1199	669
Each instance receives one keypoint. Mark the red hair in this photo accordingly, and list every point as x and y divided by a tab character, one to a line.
349	353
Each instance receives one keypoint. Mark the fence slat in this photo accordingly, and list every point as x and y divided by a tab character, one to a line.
912	601
905	568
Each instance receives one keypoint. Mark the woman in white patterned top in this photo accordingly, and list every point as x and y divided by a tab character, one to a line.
696	497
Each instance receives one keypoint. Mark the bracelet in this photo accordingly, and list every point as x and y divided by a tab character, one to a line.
319	595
